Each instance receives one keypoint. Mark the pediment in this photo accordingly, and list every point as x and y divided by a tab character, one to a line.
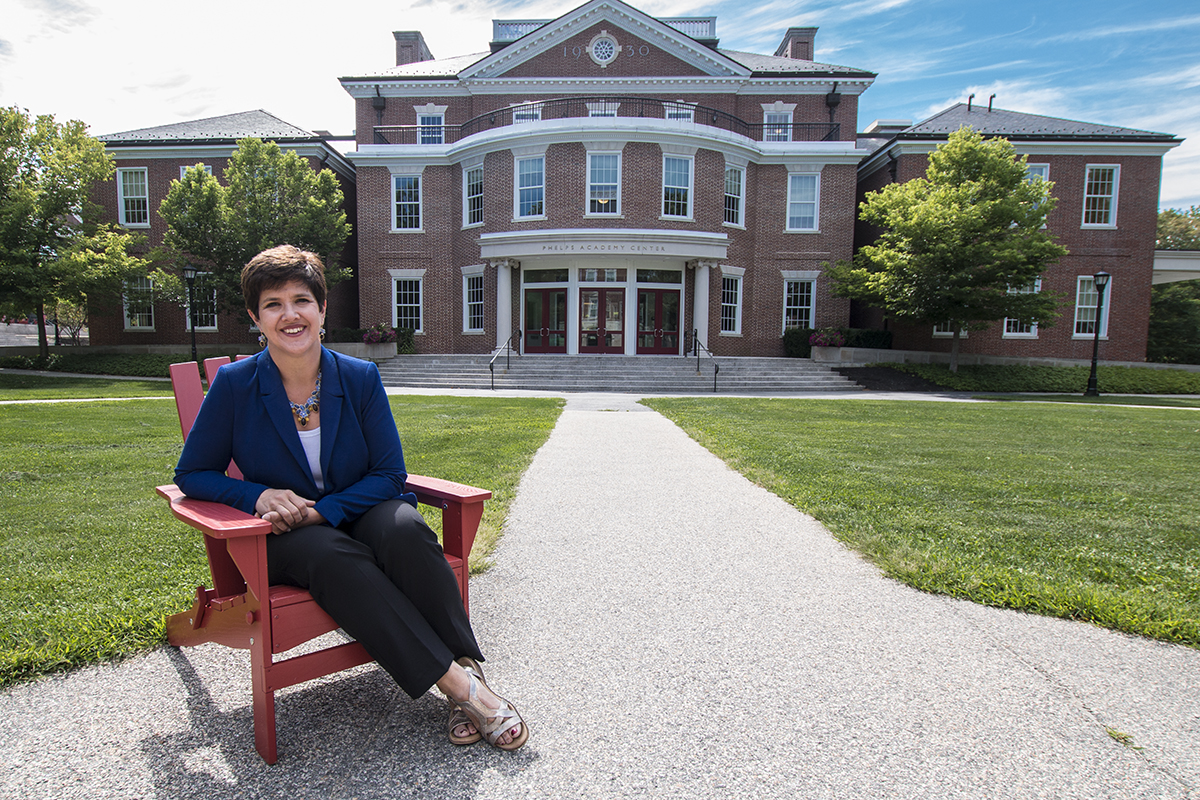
571	46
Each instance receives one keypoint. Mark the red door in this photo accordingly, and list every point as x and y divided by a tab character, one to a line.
658	321
602	320
545	320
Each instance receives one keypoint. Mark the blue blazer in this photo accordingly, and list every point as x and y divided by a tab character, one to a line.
246	417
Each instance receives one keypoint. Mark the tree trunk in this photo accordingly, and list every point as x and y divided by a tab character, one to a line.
954	351
43	344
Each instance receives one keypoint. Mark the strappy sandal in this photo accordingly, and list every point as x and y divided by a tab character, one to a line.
458	717
493	722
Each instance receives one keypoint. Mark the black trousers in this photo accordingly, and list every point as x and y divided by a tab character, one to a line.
385	581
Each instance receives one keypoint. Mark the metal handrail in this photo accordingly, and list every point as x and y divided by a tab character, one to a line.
507	349
635	107
698	346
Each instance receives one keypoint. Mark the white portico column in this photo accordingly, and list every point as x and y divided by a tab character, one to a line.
700	307
504	275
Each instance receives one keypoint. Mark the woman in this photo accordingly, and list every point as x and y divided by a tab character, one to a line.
314	437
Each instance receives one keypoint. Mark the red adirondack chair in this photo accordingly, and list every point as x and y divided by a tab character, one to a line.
243	611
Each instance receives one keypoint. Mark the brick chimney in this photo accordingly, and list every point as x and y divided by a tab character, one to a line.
798	44
410	47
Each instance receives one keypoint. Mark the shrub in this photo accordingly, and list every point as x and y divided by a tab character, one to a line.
795	342
379	334
827	337
863	337
1055	380
406	341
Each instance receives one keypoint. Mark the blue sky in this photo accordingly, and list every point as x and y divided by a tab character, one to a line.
123	64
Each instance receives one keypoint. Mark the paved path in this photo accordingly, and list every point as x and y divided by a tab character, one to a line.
669	630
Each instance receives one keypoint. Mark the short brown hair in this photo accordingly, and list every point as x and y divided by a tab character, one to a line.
279	266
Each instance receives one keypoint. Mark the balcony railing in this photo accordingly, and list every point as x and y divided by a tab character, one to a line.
624	107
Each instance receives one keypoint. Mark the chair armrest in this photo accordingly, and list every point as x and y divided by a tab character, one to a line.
214	519
432	490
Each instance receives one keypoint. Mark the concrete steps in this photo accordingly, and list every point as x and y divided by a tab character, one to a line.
607	373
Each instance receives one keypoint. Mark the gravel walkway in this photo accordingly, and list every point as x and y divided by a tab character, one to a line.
669	630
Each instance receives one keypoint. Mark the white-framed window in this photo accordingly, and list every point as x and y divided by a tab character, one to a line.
473	299
777	126
603	108
133	197
1019	328
735	192
604	184
804	193
680	111
204	295
944	330
407	298
677	186
139	304
731	304
432	128
530	188
472	196
731	300
1086	300
183	169
526	112
1037	172
799	308
406	205
1100	195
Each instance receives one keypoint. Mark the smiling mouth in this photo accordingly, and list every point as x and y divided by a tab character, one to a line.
293	331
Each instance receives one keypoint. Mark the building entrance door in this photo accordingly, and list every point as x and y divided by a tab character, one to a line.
602	320
545	320
658	321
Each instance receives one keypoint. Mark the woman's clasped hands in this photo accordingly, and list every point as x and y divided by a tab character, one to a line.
286	510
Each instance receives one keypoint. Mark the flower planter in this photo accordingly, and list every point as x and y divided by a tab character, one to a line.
826	354
369	352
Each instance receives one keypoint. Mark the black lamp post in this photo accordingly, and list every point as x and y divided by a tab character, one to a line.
189	275
1099	280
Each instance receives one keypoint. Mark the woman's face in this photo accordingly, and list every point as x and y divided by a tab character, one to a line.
290	318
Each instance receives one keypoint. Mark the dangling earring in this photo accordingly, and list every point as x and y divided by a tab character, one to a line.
322	334
262	341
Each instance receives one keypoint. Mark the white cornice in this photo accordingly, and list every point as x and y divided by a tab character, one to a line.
668	133
333	159
558	86
1176	265
1025	147
604	241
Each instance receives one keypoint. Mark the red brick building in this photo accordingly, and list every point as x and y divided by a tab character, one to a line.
147	161
605	182
609	182
1106	181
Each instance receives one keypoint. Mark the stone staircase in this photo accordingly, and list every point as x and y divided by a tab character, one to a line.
608	373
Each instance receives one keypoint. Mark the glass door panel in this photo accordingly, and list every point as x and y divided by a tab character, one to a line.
545	320
602	321
658	321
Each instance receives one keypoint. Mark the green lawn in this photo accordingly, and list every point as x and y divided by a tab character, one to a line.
1104	399
1087	512
18	385
90	558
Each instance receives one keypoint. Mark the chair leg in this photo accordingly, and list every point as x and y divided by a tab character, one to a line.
263	701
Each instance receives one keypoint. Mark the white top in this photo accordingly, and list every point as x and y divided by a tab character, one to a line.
311	440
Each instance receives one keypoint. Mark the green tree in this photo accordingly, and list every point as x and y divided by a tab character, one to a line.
271	197
1175	307
52	246
1178	230
959	244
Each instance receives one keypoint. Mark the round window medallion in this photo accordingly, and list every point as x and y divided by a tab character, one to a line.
603	49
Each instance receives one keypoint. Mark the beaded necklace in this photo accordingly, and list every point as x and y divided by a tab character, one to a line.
302	410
